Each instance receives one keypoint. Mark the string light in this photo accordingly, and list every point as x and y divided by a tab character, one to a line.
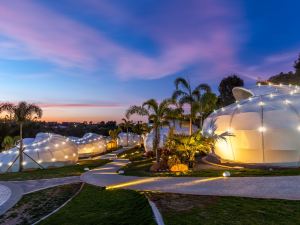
261	103
262	129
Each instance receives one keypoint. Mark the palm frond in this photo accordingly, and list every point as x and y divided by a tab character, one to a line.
136	110
181	81
204	87
151	104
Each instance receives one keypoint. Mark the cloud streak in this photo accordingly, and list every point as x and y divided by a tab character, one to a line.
188	34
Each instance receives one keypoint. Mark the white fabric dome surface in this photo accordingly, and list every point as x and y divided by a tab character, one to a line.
48	150
164	131
133	139
266	127
90	144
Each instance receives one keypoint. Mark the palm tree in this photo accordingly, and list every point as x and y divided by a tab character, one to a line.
126	125
8	142
186	95
21	113
212	137
114	135
158	113
175	114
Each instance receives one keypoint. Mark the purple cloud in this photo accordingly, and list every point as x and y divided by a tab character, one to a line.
199	32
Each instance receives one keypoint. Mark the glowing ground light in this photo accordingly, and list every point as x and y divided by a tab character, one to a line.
262	129
226	174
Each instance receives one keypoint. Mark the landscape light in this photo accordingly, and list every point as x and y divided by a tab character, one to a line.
226	174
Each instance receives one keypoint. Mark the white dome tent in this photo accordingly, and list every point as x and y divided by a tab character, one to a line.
90	144
133	139
265	124
44	151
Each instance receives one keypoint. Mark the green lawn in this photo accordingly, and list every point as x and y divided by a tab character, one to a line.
178	209
141	168
133	154
73	170
34	206
95	206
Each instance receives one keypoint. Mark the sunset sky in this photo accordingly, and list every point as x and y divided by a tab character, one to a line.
91	59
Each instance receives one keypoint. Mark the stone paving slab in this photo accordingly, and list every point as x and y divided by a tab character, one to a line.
13	196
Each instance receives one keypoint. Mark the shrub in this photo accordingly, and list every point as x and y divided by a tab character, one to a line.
179	168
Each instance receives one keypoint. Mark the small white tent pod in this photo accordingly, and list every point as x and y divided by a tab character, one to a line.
44	151
133	139
265	125
90	144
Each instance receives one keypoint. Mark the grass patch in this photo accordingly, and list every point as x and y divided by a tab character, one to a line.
73	170
34	206
142	168
97	206
133	154
178	209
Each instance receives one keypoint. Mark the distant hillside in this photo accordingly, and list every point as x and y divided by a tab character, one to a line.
288	78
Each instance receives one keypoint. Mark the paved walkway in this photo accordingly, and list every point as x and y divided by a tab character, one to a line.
12	191
286	187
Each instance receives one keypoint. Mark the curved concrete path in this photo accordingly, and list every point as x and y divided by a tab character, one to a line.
285	187
12	191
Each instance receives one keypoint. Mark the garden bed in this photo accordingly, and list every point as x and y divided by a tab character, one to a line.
32	207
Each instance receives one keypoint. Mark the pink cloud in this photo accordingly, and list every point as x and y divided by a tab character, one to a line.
79	105
185	34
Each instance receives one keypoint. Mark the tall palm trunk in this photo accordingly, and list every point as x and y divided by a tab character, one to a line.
127	136
191	124
21	149
156	142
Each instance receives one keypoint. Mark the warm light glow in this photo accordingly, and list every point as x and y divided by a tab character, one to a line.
262	129
261	103
131	183
53	159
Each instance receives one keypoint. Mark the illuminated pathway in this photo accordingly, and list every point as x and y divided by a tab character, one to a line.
286	187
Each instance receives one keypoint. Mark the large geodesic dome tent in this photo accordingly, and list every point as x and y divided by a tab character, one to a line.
44	151
265	122
133	139
90	144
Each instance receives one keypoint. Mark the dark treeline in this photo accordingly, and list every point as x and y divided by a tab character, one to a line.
9	128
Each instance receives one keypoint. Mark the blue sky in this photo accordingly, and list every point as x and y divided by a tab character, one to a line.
90	60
